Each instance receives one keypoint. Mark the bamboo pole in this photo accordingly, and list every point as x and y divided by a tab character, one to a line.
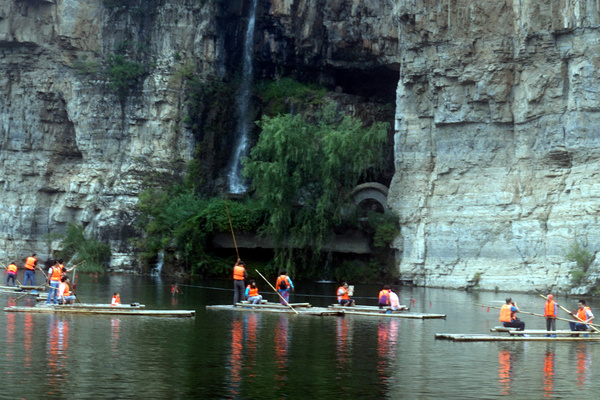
32	290
232	234
275	290
570	313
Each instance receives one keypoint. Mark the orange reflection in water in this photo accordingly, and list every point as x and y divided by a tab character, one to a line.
243	350
583	364
281	349
387	336
505	371
548	373
27	338
342	342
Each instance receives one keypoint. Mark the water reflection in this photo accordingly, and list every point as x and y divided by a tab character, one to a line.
505	371
244	339
343	341
387	335
57	352
583	364
282	340
10	331
549	357
115	330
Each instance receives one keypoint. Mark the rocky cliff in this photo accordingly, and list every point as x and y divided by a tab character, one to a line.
495	139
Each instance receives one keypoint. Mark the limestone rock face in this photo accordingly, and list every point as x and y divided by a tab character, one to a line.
496	119
497	140
70	150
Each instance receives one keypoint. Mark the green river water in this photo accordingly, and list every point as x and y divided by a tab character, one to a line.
236	355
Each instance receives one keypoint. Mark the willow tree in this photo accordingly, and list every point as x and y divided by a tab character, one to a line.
303	172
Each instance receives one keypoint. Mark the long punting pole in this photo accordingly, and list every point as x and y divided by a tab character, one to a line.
275	290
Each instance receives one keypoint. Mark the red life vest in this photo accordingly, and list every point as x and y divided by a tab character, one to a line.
238	272
252	292
505	313
550	309
30	263
12	268
56	274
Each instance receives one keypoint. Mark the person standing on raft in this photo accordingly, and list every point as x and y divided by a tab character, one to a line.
284	285
550	313
11	273
508	315
54	275
30	265
239	273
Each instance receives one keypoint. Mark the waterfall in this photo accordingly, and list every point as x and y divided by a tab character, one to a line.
237	183
159	264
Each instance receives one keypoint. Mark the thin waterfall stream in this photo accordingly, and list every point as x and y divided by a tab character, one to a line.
237	183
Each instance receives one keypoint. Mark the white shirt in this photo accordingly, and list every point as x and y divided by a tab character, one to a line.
394	301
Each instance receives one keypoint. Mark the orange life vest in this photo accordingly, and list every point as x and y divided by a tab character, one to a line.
30	263
342	294
282	278
505	313
56	274
581	314
238	272
252	291
550	310
67	291
385	293
12	268
116	300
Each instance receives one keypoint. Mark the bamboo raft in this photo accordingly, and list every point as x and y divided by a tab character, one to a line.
106	309
20	288
375	311
532	335
300	308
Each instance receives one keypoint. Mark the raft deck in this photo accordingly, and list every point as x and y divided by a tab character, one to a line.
374	311
300	308
106	309
461	337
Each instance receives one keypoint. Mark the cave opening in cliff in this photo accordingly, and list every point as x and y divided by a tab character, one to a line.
377	83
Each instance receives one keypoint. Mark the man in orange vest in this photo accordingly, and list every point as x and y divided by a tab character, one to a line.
11	273
583	315
54	275
30	265
239	273
550	313
284	285
343	296
508	315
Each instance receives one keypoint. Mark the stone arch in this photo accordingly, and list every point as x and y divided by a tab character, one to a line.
371	192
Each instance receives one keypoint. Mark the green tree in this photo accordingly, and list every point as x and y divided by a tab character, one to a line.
303	173
123	74
77	247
